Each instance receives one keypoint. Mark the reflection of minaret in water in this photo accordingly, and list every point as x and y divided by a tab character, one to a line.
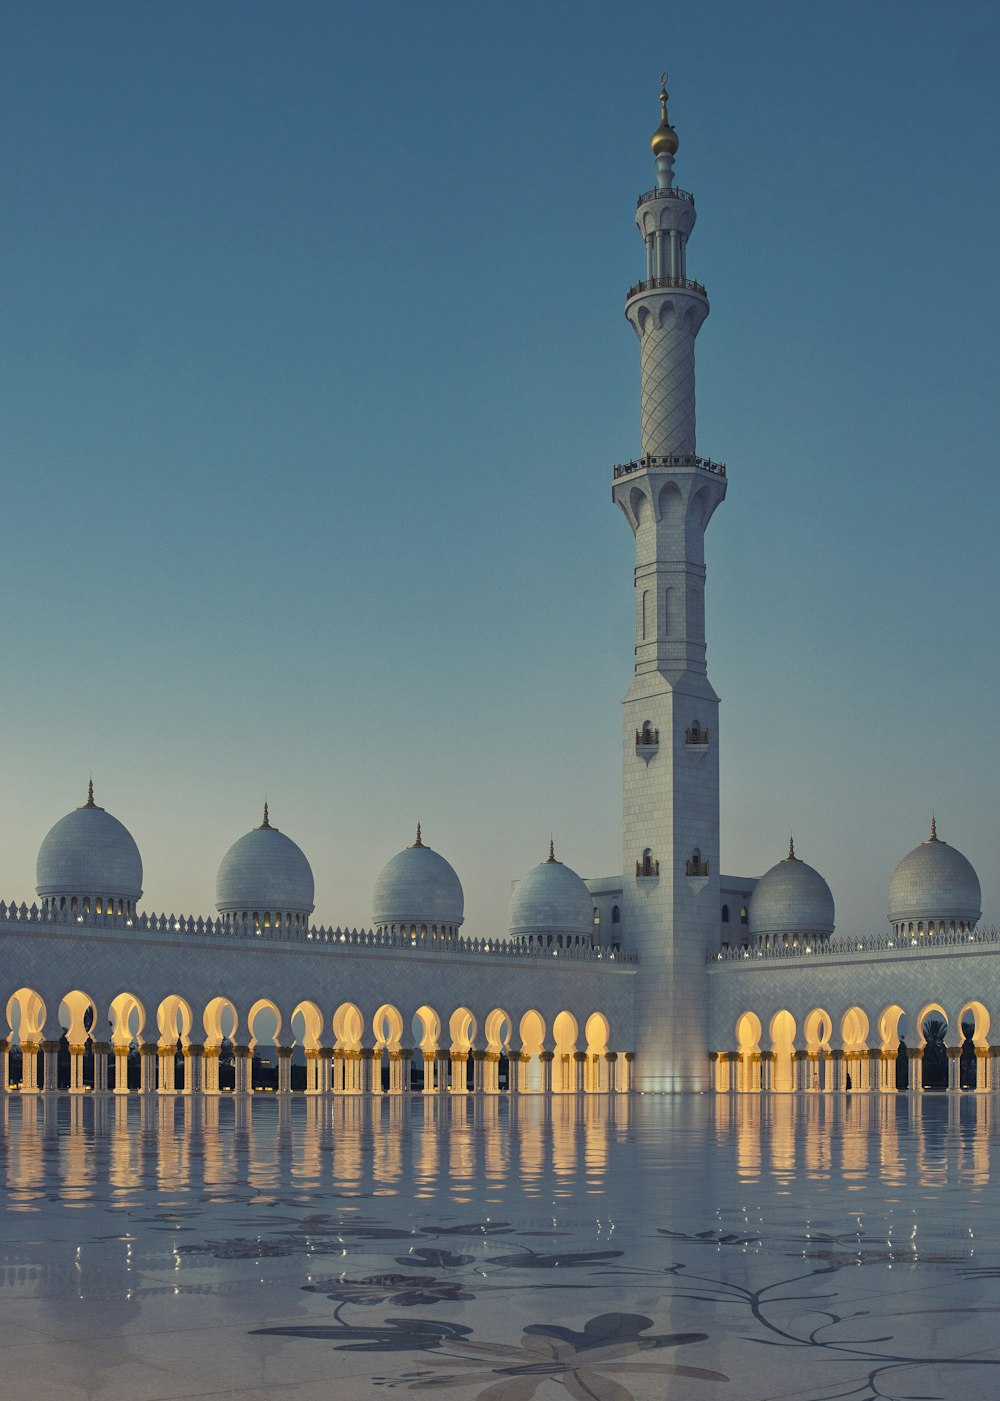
671	751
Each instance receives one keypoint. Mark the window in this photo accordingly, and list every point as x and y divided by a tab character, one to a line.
743	914
616	915
725	914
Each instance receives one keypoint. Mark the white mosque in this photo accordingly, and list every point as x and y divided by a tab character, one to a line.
667	976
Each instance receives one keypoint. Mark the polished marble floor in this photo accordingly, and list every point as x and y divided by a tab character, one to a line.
641	1250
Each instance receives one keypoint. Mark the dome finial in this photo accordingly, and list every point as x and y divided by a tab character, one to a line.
552	854
419	841
90	797
664	139
791	848
933	836
267	821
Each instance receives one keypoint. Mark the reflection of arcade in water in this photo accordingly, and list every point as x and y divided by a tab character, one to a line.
865	1140
109	1151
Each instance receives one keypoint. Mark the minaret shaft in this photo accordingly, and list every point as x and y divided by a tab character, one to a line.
671	772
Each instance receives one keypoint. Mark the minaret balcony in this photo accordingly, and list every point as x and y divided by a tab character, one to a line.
696	868
663	284
647	742
672	459
685	195
696	737
647	868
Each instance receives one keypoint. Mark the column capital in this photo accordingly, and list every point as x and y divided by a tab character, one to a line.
611	1056
148	1048
546	1057
284	1052
630	1056
194	1049
49	1046
98	1047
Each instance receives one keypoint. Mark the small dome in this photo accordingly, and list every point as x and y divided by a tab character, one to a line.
265	874
418	887
552	899
664	140
89	855
935	883
791	898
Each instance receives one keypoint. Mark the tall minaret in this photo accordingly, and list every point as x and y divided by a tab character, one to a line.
671	777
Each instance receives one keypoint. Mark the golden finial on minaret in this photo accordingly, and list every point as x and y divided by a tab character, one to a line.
664	140
552	854
419	841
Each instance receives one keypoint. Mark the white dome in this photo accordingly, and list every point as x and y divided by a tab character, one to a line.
418	887
934	882
264	873
89	854
552	899
790	898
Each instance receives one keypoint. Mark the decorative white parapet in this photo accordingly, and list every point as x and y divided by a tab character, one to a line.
13	916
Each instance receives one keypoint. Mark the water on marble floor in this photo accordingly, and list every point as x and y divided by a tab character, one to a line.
681	1248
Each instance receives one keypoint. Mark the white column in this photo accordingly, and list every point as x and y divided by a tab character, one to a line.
194	1065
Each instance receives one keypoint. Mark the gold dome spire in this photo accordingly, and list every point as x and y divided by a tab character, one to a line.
90	797
266	824
419	841
664	140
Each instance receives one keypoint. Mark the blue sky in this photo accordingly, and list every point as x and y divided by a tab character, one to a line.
314	372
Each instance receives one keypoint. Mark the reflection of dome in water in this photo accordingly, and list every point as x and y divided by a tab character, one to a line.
89	860
419	889
265	877
791	898
552	899
935	884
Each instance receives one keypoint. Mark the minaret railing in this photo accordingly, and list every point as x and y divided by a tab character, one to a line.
658	284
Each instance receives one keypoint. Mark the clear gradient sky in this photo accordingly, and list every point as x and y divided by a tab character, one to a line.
314	371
